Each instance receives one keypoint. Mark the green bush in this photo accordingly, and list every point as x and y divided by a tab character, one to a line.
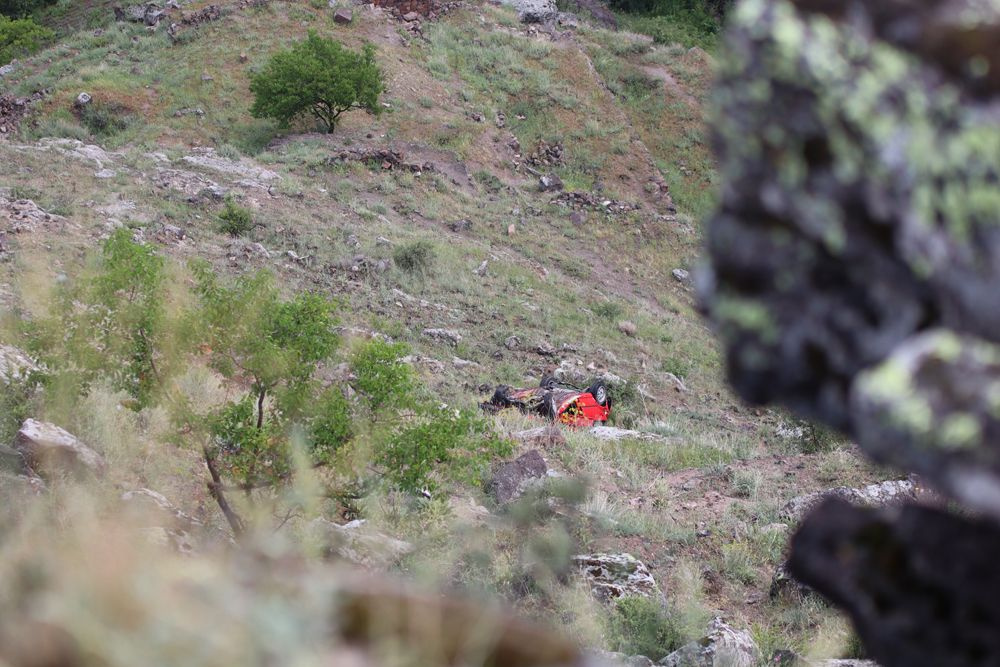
381	377
104	119
317	76
21	37
331	427
234	219
641	626
454	445
416	258
16	8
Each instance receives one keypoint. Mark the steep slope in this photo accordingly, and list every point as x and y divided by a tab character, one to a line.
449	162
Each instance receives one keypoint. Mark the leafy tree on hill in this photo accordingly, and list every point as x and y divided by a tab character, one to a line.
320	77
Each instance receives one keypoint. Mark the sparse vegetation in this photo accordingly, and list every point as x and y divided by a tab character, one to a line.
234	219
415	258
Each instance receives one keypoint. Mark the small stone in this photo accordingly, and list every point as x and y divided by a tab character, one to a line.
409	17
680	275
82	100
105	174
481	271
343	16
207	77
244	57
511	229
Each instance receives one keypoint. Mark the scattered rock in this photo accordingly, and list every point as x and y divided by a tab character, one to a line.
723	646
512	343
189	111
594	202
460	226
511	480
8	69
500	120
628	328
343	16
481	271
409	17
252	174
105	174
355	542
24	215
613	576
14	109
546	155
447	335
381	158
15	365
546	349
681	275
892	492
82	100
511	229
612	433
543	436
49	450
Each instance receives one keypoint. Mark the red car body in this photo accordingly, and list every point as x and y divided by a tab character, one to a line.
569	406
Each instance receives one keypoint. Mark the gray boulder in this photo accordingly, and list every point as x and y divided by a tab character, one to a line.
534	11
614	576
723	646
511	480
50	450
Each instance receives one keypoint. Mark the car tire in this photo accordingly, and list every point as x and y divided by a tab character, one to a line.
599	391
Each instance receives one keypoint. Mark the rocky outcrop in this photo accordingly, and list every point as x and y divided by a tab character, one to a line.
50	450
893	492
723	646
511	480
854	260
534	11
613	576
24	215
357	543
163	522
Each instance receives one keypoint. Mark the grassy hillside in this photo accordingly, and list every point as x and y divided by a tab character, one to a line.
696	498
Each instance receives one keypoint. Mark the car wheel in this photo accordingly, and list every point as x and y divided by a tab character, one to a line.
599	391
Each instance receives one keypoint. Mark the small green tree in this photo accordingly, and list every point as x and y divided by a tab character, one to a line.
21	37
320	77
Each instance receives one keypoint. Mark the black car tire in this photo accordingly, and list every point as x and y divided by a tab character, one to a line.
599	391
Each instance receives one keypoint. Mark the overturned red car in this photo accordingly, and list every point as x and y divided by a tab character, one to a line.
559	402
